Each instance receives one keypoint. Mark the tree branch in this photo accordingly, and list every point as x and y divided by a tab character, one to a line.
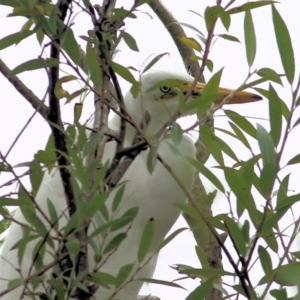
176	32
28	94
203	235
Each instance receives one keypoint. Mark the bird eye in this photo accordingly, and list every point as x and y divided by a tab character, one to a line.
165	89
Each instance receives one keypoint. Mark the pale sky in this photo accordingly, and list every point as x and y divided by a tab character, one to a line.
153	39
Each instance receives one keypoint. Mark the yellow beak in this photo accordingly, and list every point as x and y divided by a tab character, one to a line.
238	98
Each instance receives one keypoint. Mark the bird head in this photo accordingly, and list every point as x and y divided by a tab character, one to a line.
160	94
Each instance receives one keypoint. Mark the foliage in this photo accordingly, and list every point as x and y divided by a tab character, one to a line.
257	188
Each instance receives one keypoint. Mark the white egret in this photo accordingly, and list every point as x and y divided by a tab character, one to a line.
153	193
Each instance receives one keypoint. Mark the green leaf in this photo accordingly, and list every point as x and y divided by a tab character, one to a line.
35	64
12	284
129	40
52	213
265	260
207	173
266	146
284	45
236	236
202	291
241	122
240	135
152	157
286	275
225	19
242	191
146	239
93	66
210	272
103	279
287	201
123	72
279	294
191	42
73	246
176	133
14	38
246	231
36	175
70	45
141	2
248	6
115	242
162	282
250	39
294	160
118	197
271	75
123	274
153	61
58	285
275	115
211	14
12	3
169	238
229	37
267	179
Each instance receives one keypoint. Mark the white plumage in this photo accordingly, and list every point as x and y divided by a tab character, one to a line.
154	194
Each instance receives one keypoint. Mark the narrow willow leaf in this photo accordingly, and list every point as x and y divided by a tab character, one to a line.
93	66
70	45
229	37
123	72
123	274
249	5
103	279
115	242
207	173
202	257
242	191
152	157
275	115
176	133
241	122
250	39
279	294
169	238
129	40
162	282
288	201
236	236
211	14
153	61
35	64
284	44
202	291
266	146
267	179
118	197
286	275
240	135
14	38
202	272
225	19
146	239
294	160
272	75
265	260
191	42
36	176
73	246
